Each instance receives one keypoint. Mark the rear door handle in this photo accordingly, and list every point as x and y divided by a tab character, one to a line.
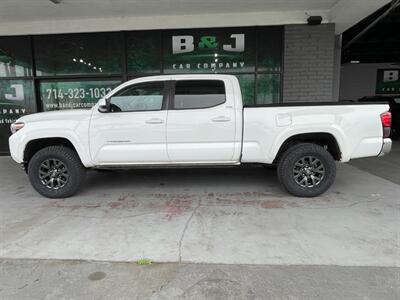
155	121
221	119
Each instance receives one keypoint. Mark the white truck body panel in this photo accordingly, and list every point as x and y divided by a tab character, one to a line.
69	124
208	135
224	134
356	128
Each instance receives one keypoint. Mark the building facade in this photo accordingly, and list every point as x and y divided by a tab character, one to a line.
274	64
50	65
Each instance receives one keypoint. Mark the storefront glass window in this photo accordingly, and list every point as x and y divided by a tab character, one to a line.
78	54
268	89
76	70
269	49
209	51
16	99
246	82
144	51
56	95
15	57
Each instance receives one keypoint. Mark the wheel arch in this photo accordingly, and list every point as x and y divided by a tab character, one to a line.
324	139
35	145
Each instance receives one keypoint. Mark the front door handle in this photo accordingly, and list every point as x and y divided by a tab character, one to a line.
155	121
221	119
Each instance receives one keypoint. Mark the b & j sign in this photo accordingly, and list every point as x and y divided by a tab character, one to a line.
209	51
15	96
388	82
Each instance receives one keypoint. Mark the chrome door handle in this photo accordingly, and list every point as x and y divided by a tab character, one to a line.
221	119
155	121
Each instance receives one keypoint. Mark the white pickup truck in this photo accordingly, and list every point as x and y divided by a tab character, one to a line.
192	120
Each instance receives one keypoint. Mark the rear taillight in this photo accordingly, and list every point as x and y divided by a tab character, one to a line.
386	119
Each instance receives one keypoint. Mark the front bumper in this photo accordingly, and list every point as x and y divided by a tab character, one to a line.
14	144
386	147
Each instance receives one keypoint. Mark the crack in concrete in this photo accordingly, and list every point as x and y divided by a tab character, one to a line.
184	230
24	286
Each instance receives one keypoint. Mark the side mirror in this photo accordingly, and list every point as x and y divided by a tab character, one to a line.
103	107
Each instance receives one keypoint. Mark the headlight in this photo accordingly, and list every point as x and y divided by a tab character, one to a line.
16	126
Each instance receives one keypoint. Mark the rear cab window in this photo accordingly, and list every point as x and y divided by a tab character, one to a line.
197	94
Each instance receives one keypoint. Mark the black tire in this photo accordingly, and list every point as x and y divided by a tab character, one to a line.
302	181
65	161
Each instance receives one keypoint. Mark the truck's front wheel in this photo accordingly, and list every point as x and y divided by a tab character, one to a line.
306	170
56	172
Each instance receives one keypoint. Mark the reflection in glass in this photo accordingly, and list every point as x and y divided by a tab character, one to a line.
140	97
15	57
268	89
78	54
16	99
144	50
269	48
246	82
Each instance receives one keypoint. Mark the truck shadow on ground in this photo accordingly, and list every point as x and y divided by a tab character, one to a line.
185	179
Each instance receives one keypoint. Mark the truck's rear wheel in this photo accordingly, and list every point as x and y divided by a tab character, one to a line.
306	170
56	172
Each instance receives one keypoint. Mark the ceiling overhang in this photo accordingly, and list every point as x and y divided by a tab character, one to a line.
344	13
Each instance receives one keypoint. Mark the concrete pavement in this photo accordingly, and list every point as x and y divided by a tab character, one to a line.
32	279
387	167
342	245
229	216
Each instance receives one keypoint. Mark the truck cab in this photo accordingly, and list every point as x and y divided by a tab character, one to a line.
169	120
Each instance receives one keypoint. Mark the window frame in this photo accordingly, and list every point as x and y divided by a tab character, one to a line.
165	94
172	94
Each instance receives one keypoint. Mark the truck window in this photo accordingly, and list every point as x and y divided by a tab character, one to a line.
139	97
194	94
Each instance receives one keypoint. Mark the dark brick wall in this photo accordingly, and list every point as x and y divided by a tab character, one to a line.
309	63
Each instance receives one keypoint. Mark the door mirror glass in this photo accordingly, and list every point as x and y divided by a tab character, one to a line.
103	105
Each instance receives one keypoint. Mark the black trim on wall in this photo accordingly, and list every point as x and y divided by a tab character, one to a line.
283	47
124	60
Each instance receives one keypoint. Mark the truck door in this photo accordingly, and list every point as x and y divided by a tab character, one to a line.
133	131
201	122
